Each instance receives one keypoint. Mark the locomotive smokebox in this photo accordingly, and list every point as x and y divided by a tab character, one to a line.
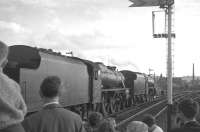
110	77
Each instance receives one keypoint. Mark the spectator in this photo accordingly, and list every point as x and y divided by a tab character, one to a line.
106	126
151	123
94	120
53	117
137	126
12	105
188	112
112	121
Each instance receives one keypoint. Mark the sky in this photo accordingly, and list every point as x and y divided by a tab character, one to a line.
105	31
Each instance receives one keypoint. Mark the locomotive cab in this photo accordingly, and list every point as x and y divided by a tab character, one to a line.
12	70
21	56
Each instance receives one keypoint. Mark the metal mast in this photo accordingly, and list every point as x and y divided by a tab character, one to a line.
168	6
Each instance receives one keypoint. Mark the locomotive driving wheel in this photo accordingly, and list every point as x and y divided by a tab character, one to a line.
115	103
112	102
104	105
108	103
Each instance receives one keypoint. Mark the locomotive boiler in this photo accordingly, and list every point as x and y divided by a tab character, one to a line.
89	86
110	77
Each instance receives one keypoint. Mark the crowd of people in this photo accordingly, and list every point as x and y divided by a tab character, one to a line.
54	118
186	117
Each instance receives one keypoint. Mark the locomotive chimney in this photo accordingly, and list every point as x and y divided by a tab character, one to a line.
71	53
193	73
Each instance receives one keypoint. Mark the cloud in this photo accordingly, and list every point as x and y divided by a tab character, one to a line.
95	40
68	9
124	64
17	28
100	30
53	39
187	7
42	3
72	3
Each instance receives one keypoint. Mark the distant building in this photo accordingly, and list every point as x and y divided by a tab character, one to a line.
189	78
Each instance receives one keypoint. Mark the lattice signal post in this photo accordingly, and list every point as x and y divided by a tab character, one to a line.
164	35
167	5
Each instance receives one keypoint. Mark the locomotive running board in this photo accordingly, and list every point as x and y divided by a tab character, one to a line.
114	89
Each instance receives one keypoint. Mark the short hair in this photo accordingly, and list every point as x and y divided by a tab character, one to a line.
106	126
149	120
112	121
95	118
189	108
3	51
137	126
50	86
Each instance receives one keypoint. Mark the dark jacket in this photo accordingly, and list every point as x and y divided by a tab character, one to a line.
53	118
13	128
192	126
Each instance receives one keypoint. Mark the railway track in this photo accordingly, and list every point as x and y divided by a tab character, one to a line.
136	107
155	108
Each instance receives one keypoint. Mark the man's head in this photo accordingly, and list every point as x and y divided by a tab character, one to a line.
137	126
188	108
106	126
3	54
95	118
50	87
112	121
149	120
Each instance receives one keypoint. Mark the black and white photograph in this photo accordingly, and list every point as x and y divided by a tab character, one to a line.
99	66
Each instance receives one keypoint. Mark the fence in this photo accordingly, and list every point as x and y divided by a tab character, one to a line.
161	119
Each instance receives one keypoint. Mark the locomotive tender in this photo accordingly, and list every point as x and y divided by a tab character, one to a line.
88	85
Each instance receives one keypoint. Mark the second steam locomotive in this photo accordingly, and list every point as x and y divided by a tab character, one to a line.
89	85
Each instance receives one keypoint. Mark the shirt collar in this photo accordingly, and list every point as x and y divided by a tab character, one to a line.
49	103
193	120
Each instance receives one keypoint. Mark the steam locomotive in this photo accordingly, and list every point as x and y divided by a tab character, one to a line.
89	85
